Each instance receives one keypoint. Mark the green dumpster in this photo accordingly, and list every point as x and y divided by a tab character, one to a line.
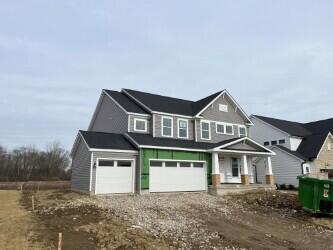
316	195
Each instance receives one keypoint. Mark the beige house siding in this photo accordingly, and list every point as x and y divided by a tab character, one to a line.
325	158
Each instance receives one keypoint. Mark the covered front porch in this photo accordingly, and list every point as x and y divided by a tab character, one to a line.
234	168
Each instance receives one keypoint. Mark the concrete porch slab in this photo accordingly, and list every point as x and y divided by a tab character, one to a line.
224	189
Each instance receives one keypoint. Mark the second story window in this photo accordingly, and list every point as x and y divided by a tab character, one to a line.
205	130
182	128
167	126
242	131
229	129
140	125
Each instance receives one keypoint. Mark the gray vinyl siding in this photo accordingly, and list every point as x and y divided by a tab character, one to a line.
115	155
286	168
158	127
214	114
131	123
110	117
81	168
262	132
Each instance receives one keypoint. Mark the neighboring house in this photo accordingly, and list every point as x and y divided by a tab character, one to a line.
139	142
301	148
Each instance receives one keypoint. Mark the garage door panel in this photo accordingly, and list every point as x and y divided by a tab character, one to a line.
177	179
114	179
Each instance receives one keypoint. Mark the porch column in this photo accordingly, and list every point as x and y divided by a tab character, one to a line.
216	170
269	172
245	171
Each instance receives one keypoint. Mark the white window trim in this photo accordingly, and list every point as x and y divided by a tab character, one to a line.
232	126
140	130
207	139
219	123
185	120
167	117
239	127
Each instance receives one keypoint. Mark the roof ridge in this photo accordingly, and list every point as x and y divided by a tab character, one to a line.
278	119
323	120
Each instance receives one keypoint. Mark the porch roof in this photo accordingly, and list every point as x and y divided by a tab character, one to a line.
234	145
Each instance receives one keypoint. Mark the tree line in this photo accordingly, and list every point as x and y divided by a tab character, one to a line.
30	164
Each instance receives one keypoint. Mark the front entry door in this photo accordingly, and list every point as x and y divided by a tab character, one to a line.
235	171
230	170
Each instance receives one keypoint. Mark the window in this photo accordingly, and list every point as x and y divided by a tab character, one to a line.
105	163
185	164
205	130
140	125
171	164
220	128
282	141
229	129
156	164
167	126
242	131
198	165
234	167
223	107
124	164
273	142
266	143
182	128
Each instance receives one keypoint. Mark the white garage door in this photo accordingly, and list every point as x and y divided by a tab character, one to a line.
114	176
173	176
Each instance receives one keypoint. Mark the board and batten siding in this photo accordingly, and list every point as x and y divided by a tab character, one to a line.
110	117
262	132
285	167
81	161
131	123
158	127
115	156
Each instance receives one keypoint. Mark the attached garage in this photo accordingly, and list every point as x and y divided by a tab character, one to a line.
114	176
177	176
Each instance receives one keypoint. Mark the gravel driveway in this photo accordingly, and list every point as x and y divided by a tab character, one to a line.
178	217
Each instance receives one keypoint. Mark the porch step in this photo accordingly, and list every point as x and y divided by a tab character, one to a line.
224	189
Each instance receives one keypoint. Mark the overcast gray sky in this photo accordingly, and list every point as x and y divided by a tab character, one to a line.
275	57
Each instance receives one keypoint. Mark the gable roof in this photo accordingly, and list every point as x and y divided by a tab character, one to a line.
311	145
319	127
294	153
292	128
124	101
101	140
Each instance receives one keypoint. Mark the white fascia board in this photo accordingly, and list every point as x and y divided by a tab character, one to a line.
112	150
270	125
136	100
322	146
244	139
288	153
138	114
242	152
171	114
173	148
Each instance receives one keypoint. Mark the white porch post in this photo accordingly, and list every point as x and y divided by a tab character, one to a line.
215	169
245	171
269	172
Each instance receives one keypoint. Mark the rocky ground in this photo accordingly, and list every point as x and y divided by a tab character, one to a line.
256	220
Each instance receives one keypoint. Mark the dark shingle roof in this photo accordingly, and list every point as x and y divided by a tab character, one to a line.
102	140
295	153
172	105
311	145
292	128
148	140
319	127
125	102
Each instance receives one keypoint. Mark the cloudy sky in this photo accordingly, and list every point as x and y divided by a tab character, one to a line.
275	57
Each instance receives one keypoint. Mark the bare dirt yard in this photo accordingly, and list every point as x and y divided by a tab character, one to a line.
256	220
